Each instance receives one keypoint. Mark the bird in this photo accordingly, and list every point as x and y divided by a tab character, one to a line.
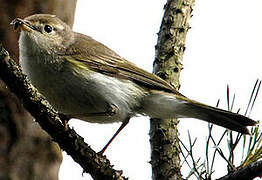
84	79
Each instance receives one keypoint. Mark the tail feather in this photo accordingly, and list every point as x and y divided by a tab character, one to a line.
232	121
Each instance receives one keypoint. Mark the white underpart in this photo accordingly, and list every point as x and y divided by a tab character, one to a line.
163	105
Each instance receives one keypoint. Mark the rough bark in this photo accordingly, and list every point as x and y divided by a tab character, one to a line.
27	152
170	48
95	164
248	172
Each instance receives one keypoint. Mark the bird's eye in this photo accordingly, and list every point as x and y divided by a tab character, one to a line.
48	28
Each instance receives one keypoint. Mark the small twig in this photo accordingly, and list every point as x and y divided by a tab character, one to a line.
255	98
191	154
228	100
250	99
221	153
193	170
185	158
210	127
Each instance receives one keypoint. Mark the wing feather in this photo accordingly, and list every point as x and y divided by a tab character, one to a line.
100	58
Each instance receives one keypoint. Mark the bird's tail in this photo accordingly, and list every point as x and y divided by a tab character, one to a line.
232	121
170	106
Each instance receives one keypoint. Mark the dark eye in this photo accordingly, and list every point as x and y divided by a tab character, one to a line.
48	28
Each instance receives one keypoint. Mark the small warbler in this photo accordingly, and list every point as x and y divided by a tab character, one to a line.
84	79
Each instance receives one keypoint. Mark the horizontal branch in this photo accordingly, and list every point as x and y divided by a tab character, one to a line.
97	165
248	172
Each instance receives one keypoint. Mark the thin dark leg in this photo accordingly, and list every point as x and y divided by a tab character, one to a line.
124	123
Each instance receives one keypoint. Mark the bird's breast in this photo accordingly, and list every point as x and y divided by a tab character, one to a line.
76	91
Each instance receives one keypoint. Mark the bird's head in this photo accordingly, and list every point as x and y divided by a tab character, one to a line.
47	31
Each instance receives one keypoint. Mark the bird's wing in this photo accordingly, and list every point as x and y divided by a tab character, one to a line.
100	58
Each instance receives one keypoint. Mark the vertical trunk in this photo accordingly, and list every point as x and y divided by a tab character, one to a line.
27	152
170	48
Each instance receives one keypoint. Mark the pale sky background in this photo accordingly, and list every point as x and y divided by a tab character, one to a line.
224	47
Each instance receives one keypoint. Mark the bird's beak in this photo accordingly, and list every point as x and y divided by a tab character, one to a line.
22	25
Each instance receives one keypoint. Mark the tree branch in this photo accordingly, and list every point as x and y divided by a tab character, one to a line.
165	149
98	166
245	173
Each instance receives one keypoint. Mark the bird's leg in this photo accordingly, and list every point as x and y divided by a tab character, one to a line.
111	111
124	123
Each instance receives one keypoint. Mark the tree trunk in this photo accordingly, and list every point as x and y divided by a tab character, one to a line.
170	48
27	152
